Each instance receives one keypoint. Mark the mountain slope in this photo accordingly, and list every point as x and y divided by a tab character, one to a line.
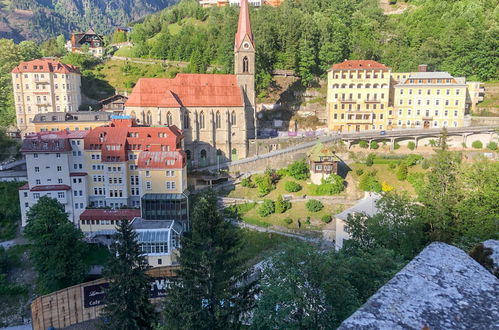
43	19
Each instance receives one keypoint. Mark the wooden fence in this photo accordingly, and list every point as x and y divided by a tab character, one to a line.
85	301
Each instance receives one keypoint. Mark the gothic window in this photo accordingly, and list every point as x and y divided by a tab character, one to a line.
132	114
188	154
201	120
149	118
186	120
245	64
169	119
203	154
233	118
218	121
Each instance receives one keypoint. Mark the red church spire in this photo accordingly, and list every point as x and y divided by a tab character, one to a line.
244	26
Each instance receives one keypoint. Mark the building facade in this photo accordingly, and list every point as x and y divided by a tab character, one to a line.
42	86
89	42
70	121
215	111
323	162
430	100
475	94
358	96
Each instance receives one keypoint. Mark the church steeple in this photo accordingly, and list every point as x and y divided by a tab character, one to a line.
244	55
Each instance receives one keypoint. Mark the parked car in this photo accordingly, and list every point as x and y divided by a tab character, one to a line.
382	132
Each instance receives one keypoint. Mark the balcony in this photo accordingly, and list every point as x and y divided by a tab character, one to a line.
348	101
359	119
425	117
373	101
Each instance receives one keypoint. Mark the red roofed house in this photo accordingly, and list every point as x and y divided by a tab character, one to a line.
358	96
215	111
90	40
55	166
42	86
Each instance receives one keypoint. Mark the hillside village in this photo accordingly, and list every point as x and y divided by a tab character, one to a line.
347	185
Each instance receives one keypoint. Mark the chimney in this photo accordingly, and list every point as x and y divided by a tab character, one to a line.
423	68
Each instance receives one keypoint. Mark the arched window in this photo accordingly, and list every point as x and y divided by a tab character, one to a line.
245	64
375	86
186	120
368	85
343	85
149	118
203	154
336	86
201	120
359	86
188	154
218	120
203	159
351	86
169	119
233	118
233	154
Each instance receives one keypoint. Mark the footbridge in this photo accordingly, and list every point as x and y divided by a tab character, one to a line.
281	157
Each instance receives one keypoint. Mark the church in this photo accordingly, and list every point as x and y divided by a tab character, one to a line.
215	111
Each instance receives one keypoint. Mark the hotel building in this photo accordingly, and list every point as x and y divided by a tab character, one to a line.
42	86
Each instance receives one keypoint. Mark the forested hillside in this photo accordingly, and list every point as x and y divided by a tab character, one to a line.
460	36
42	19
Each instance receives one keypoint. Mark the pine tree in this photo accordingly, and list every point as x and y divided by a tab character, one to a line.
215	292
128	306
57	249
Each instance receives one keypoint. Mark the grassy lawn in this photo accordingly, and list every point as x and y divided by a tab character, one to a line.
258	246
97	255
176	27
124	52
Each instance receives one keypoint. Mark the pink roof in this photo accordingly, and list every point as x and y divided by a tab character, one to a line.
359	65
161	159
51	141
103	214
44	66
243	26
51	187
190	90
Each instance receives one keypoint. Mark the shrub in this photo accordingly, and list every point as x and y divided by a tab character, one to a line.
267	208
477	144
282	172
386	187
402	172
314	205
433	143
288	220
411	145
412	160
392	165
370	159
359	172
299	170
327	218
291	186
272	174
374	145
281	205
330	186
363	144
368	182
396	146
416	179
425	164
307	221
492	146
264	183
247	183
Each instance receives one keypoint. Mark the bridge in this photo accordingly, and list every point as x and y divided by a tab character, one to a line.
281	157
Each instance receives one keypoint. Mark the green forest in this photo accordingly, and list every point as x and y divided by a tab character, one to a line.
459	36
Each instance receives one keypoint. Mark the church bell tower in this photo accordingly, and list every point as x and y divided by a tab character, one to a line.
244	56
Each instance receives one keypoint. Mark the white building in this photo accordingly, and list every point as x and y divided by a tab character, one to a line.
42	86
55	162
366	206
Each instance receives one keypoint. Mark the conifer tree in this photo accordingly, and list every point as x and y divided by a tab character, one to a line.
214	292
128	306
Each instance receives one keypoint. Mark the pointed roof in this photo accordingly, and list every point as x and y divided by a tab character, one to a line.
243	26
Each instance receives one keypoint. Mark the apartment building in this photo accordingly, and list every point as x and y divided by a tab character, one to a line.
42	86
475	94
430	100
70	121
55	167
358	96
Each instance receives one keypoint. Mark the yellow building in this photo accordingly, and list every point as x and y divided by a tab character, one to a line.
70	121
430	100
358	96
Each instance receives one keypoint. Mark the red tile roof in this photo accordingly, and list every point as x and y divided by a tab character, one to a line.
52	187
161	159
190	90
45	66
103	214
243	26
359	65
24	187
121	135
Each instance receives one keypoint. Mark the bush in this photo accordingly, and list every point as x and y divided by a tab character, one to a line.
374	145
477	144
492	146
370	159
412	160
386	187
359	171
307	220
281	205
267	208
411	145
282	172
417	181
299	170
236	211
314	205
330	186
402	172
363	144
392	165
247	183
368	182
327	218
264	183
396	146
433	143
288	220
291	186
